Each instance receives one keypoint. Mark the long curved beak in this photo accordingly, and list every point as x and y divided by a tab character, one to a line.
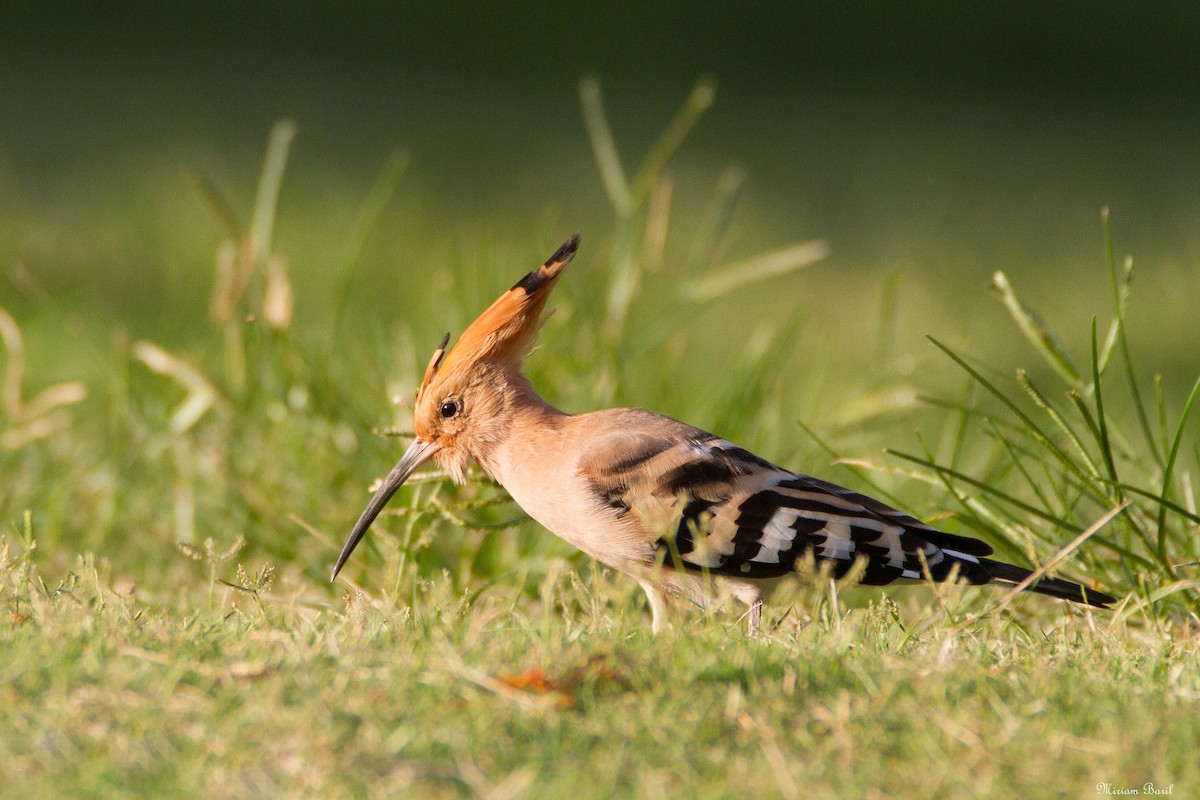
417	454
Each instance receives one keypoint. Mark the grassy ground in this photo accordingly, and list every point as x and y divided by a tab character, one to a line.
174	503
500	696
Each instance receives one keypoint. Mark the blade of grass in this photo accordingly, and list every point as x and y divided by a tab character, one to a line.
889	303
1032	510
858	472
1044	403
216	203
990	491
974	413
699	100
658	218
369	213
711	234
1168	472
1079	479
1037	433
1101	417
1085	413
723	280
267	199
1034	486
1119	309
995	531
1116	327
1160	402
604	147
626	276
1035	329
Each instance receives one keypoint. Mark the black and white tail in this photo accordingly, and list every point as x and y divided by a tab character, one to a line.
1054	587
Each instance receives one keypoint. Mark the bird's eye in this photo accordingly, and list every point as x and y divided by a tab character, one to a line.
449	408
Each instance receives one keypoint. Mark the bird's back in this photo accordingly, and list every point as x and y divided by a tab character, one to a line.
700	503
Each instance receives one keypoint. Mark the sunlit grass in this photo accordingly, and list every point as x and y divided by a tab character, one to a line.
493	694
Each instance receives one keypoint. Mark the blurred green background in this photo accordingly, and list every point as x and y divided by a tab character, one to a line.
928	144
942	139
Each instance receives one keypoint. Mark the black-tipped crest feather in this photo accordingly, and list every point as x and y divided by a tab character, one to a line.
536	278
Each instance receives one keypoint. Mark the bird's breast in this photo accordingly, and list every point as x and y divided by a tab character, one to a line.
542	476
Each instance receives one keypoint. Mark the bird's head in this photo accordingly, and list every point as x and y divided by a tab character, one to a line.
459	410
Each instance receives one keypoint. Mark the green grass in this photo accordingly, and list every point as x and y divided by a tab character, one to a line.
498	695
174	506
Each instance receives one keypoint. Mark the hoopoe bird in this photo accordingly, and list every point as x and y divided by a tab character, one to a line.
680	510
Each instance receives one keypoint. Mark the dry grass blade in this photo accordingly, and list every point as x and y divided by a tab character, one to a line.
28	421
201	393
50	398
723	280
15	407
279	301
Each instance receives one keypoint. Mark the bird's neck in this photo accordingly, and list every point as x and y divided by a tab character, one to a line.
520	413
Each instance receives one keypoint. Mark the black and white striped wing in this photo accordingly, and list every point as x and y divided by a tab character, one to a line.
719	509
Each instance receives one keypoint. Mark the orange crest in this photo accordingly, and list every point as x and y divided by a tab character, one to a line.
506	330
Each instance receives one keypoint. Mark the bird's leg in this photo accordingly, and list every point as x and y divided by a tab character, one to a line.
658	605
752	596
754	616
